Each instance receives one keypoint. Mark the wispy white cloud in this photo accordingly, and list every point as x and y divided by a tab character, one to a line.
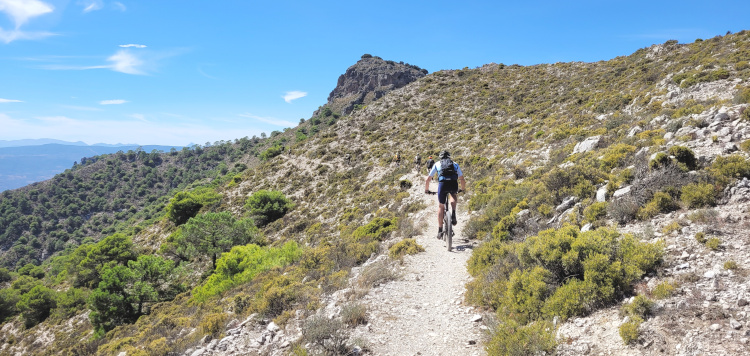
91	5
10	36
270	120
123	61
112	102
20	12
133	45
139	117
294	95
119	6
23	10
126	62
9	101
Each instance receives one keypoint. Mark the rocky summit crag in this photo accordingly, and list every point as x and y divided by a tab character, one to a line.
368	80
606	214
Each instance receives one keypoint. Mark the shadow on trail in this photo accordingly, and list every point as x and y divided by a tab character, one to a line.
463	247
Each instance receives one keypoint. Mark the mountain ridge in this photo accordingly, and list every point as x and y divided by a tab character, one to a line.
515	131
23	165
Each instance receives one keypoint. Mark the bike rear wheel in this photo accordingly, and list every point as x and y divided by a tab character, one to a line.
447	227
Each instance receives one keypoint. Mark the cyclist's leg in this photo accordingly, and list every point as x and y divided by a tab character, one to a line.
454	200
442	197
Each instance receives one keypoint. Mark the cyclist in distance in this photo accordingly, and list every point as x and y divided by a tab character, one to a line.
430	163
449	174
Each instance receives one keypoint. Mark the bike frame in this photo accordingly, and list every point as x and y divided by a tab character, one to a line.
447	226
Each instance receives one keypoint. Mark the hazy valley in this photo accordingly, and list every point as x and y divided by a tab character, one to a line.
606	213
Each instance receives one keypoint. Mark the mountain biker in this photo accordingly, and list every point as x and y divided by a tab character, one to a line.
449	174
397	158
418	161
430	163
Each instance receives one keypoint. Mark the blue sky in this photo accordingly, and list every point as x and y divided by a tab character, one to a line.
179	72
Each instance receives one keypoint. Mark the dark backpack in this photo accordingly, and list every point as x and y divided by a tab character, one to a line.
447	170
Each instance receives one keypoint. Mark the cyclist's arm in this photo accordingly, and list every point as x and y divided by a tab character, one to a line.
461	178
429	178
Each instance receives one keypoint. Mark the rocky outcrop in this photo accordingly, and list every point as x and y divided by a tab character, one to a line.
368	80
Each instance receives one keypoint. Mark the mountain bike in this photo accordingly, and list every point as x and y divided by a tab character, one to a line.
448	233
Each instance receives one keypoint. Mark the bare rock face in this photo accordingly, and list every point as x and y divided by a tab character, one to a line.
368	80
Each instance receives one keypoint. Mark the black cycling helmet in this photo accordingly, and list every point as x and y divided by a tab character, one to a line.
444	154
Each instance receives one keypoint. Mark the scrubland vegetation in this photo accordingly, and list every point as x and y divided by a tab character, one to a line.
148	253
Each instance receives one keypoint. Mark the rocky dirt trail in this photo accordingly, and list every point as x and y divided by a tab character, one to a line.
423	312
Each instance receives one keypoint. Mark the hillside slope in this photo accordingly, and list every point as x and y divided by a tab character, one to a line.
562	158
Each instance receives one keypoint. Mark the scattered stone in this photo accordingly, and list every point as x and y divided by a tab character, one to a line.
589	144
567	203
634	131
742	302
601	194
736	325
476	318
620	192
715	327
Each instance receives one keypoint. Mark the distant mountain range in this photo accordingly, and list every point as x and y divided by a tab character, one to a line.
23	162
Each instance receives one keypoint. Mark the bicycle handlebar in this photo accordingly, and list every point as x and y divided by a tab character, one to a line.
433	193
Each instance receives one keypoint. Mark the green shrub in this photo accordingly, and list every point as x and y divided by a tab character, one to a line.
713	243
70	303
640	307
660	203
278	294
512	338
8	299
595	212
35	305
377	229
701	237
574	298
684	156
271	152
242	264
4	275
31	271
525	295
660	160
730	265
663	290
405	184
266	206
629	330
545	209
733	166
185	205
616	156
212	324
405	247
698	195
